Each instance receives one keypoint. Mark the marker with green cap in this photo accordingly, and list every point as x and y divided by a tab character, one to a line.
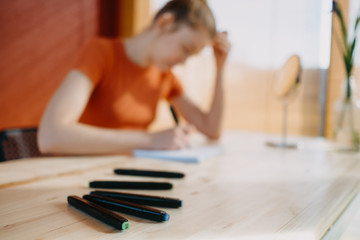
98	212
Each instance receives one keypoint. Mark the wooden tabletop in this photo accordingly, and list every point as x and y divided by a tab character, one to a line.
250	192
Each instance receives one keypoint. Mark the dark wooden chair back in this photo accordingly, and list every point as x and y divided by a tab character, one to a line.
17	143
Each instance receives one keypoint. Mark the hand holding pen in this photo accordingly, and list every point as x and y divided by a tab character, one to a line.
173	138
170	139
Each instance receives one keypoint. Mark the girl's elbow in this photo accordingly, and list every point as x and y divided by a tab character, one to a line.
212	130
214	135
47	144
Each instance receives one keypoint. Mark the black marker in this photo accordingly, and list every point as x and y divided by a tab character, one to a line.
129	208
173	113
141	199
131	185
148	173
99	212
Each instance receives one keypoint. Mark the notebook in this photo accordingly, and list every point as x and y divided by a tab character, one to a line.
189	155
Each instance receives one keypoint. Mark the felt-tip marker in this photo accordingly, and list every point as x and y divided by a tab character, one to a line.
129	208
173	113
98	212
148	173
131	185
156	201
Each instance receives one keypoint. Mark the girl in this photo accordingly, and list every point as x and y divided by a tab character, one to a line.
108	100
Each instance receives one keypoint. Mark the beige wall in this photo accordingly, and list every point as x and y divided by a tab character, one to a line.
249	102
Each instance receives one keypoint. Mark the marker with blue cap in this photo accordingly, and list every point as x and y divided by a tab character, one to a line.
129	208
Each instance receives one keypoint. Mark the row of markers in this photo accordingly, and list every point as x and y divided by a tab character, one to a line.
101	204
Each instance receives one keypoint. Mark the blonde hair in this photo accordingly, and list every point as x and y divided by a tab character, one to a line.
195	13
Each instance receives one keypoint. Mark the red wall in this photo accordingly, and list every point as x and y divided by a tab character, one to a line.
39	40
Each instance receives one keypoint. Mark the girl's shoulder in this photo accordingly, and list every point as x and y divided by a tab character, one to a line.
104	47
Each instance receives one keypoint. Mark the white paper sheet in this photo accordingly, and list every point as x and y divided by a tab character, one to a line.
189	155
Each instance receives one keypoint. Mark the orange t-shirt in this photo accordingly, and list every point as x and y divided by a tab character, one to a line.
125	95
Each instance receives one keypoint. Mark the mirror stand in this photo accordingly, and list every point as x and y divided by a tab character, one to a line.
283	143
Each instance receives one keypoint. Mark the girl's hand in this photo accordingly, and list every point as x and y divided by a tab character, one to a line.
221	49
173	138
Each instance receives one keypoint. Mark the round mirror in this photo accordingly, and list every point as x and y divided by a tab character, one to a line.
288	77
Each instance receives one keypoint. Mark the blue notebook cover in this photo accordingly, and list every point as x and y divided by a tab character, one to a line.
189	155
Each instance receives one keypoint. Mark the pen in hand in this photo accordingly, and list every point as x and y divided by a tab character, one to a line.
185	130
173	113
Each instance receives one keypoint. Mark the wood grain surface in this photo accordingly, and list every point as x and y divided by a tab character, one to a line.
249	192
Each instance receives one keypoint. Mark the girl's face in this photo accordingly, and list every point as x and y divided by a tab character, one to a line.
174	45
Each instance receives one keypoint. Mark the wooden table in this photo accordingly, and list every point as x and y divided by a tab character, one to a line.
250	192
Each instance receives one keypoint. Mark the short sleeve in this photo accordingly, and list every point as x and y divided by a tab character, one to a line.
92	59
174	87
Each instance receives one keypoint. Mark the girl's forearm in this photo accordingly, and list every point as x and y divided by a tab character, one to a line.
78	139
214	116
